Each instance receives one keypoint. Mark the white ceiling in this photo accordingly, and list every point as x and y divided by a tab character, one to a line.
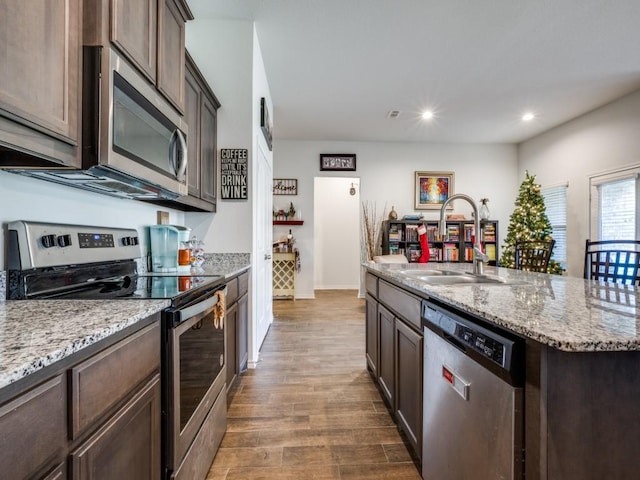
336	67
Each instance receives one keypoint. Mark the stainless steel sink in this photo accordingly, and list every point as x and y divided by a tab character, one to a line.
425	272
452	277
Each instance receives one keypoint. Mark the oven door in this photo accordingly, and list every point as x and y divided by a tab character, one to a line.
195	376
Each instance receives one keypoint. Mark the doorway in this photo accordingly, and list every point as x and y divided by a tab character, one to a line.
336	233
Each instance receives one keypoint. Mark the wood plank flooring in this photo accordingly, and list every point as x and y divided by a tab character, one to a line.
310	409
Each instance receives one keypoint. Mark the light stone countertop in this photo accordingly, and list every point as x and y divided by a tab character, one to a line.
38	333
570	314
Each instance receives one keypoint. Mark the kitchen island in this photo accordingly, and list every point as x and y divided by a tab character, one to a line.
582	360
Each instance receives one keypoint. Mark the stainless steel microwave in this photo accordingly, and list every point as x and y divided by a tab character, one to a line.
133	140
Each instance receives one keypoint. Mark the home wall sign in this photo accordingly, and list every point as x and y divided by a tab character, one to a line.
338	161
285	186
233	173
265	122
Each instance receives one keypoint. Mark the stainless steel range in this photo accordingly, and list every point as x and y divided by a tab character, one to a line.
55	261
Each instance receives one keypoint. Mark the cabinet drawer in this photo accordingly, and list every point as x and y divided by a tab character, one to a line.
232	292
371	284
106	378
243	284
405	305
34	429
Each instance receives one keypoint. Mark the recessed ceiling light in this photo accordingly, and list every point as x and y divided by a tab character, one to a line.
527	117
427	115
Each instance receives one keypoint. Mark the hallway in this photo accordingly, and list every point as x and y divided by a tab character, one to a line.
310	409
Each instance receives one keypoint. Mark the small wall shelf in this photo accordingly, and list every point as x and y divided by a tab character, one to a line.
288	222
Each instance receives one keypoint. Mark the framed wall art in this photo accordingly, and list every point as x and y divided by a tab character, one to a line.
265	123
432	189
338	161
285	186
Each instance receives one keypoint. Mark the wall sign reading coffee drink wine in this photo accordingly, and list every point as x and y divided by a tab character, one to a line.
233	173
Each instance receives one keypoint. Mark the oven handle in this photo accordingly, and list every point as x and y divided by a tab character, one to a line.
200	307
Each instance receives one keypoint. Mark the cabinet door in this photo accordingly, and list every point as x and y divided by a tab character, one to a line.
372	335
409	355
134	26
386	368
192	114
243	333
127	445
40	77
33	430
231	358
171	28
208	151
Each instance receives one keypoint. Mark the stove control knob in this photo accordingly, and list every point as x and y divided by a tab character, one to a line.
127	241
64	240
48	241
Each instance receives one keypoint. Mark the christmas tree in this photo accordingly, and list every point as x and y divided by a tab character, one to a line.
528	222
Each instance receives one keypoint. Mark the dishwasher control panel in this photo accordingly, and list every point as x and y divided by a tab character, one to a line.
486	345
466	333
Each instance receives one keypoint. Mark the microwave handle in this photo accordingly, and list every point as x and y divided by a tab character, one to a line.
178	154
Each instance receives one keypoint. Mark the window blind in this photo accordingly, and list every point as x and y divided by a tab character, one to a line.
618	210
555	201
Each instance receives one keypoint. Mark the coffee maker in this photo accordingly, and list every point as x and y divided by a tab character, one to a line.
165	245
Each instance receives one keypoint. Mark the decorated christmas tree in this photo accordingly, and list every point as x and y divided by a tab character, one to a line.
528	222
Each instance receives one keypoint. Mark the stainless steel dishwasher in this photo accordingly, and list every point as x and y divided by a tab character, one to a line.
473	398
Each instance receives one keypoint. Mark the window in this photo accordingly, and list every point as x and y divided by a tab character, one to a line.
555	201
614	205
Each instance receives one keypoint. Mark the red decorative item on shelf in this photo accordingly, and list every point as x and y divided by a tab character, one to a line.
424	244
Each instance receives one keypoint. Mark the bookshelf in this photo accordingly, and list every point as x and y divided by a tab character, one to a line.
401	237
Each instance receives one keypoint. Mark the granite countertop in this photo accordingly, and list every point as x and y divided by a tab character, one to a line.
37	333
567	313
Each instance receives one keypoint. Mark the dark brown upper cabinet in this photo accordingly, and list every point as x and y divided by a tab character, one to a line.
40	82
149	33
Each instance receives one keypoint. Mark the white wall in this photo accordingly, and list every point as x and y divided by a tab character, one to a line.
23	198
223	50
386	173
602	140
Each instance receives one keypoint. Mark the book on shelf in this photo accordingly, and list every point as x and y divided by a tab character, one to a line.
450	252
394	248
414	254
453	233
435	254
411	233
395	232
432	233
489	232
469	229
468	254
490	250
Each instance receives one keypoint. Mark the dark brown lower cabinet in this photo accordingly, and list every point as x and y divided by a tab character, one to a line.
33	430
394	353
236	329
230	328
409	360
386	367
127	445
93	415
372	335
243	332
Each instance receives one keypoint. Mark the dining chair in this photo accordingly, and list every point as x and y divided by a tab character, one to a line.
533	256
615	261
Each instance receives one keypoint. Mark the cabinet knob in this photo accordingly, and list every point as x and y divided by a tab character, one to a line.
267	256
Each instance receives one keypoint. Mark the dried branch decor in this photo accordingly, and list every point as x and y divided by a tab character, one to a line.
371	230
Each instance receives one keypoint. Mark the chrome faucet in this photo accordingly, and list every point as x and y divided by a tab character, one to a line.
479	257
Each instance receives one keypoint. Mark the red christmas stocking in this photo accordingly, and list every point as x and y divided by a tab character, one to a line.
424	244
